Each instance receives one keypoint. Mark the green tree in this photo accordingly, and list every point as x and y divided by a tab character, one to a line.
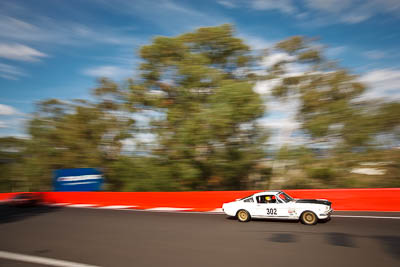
11	164
333	110
198	89
330	96
76	134
200	81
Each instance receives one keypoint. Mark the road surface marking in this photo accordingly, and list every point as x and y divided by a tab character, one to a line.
41	260
82	205
57	204
168	209
365	216
117	207
191	210
219	210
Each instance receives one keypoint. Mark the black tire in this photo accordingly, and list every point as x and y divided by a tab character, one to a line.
243	216
308	218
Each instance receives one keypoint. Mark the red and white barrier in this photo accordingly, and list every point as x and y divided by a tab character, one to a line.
370	199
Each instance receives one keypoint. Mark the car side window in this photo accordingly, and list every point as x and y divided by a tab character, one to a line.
266	199
250	199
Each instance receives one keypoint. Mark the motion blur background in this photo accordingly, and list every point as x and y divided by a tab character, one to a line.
201	95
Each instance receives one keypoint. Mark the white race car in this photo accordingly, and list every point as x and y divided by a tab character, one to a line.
279	205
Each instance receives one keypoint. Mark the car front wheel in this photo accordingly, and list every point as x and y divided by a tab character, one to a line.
308	218
243	216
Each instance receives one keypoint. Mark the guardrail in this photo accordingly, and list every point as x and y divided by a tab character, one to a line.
370	199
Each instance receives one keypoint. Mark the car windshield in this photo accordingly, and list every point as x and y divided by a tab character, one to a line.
246	197
285	197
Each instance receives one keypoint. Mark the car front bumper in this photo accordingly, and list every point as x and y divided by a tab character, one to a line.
326	215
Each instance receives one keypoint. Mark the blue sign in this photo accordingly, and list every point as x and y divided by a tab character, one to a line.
80	179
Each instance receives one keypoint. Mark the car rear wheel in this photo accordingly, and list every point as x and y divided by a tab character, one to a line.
243	216
308	218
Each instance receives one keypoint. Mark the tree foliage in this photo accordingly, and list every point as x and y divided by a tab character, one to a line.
331	106
196	92
209	135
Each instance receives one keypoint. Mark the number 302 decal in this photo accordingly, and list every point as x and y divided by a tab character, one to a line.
271	211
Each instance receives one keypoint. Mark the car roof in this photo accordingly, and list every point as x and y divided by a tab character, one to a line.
270	192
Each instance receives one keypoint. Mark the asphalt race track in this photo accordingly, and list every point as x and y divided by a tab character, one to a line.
137	238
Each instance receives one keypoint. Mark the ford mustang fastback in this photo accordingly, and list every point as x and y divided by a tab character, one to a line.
278	205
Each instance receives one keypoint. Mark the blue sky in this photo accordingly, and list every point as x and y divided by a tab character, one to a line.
57	48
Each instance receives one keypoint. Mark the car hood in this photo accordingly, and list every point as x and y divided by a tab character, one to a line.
314	201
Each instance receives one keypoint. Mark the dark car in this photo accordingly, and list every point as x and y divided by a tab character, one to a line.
25	200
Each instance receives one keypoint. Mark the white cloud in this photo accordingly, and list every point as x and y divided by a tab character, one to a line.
328	5
288	106
7	110
274	58
136	144
146	137
285	6
41	29
179	8
296	69
10	72
292	69
335	51
354	18
283	124
265	87
383	83
172	16
228	4
302	15
11	120
283	130
17	29
317	13
281	114
48	30
352	11
256	42
374	54
20	52
108	71
80	33
128	145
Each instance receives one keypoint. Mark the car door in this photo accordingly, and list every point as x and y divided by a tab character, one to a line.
250	205
268	206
